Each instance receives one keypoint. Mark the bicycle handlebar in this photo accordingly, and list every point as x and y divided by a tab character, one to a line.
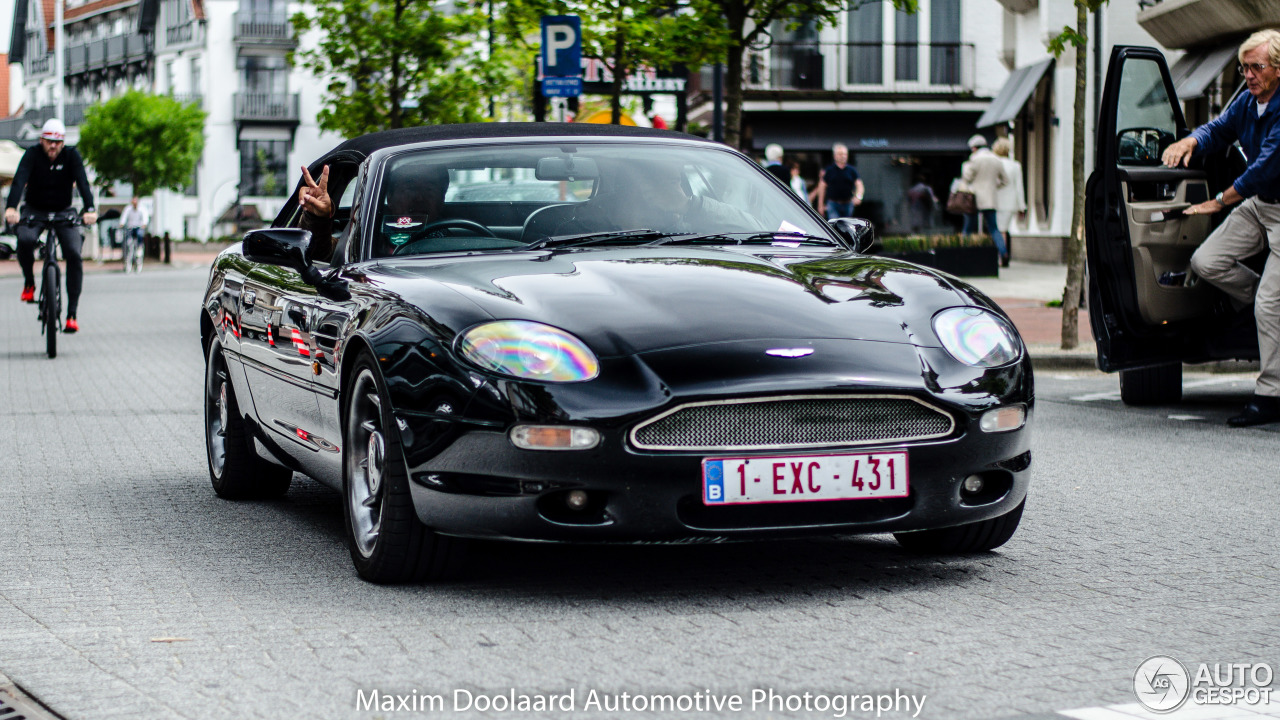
68	217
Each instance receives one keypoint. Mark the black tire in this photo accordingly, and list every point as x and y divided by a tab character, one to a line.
235	469
51	310
388	543
976	537
1159	385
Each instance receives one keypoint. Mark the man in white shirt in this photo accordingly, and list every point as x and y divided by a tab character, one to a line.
133	221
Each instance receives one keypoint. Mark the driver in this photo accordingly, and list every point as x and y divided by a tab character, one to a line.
408	204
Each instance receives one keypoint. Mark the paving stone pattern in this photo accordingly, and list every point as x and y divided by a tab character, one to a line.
112	539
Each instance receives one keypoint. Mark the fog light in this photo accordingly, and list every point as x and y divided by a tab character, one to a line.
1003	419
576	499
973	484
553	437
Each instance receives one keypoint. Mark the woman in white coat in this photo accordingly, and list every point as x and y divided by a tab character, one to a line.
1011	199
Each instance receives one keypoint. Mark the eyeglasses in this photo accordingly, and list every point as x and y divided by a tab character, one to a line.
1257	68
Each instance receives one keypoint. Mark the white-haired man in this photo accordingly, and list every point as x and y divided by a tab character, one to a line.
1253	120
773	163
840	187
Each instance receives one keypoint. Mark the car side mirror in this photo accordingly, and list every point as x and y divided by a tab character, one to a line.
859	234
286	247
289	247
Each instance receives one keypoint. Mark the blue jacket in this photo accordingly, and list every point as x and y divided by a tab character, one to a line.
1259	138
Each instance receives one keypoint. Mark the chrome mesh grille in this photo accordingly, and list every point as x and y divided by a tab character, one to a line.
792	422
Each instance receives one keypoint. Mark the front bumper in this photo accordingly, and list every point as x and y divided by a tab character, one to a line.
482	486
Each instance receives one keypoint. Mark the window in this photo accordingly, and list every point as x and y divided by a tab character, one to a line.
944	31
866	37
195	77
264	75
263	167
906	50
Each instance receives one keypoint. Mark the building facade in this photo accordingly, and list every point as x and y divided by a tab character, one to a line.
902	91
227	55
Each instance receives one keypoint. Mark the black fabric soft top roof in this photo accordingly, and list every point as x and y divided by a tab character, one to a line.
366	144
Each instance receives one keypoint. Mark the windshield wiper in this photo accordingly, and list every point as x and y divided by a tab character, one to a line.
636	235
740	238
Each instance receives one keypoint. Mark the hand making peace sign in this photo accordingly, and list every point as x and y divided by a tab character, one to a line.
313	196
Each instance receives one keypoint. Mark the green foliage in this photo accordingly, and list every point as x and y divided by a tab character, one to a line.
148	141
923	243
1071	36
398	64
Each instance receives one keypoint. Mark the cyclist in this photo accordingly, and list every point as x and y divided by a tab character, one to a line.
46	175
133	221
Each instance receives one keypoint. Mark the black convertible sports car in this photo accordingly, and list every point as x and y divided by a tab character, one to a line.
648	338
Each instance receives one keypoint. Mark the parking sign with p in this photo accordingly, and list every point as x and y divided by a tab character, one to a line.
561	45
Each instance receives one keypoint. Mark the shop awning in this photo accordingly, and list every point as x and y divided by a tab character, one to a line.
1194	71
892	131
1015	93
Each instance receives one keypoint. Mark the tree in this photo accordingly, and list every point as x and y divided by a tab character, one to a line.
401	63
747	23
1074	289
148	141
624	35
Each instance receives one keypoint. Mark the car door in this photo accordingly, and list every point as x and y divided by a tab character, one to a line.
288	339
1139	242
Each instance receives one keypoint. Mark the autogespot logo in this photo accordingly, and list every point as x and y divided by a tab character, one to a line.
1162	684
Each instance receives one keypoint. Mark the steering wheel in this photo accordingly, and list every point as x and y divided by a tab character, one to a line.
431	227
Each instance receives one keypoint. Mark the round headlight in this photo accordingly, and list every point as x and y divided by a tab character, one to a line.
977	337
530	351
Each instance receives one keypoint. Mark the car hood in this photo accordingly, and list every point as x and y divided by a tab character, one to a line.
623	301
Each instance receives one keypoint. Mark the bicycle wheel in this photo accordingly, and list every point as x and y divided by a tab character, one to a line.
51	308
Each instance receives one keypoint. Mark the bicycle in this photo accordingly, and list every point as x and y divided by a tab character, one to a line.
133	250
50	298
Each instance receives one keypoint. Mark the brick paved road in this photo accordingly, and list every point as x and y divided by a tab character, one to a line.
1144	536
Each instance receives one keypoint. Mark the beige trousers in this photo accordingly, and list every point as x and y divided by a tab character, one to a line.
1246	232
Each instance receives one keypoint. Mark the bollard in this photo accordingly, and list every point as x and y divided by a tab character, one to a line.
168	244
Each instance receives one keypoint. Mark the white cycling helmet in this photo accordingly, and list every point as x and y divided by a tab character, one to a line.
53	130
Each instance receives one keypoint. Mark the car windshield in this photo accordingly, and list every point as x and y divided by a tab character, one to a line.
511	196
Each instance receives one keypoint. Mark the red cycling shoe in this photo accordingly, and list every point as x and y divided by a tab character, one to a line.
71	326
29	294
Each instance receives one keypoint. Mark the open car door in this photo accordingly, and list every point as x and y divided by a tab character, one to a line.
1147	318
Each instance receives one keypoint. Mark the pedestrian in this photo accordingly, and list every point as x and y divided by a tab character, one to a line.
840	188
1011	200
797	183
921	201
1253	120
984	174
773	163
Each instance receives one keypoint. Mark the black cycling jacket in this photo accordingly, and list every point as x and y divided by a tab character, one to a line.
48	184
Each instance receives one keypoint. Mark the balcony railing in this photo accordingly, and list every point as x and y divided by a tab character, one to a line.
40	65
862	67
185	34
188	98
272	28
27	125
267	107
108	52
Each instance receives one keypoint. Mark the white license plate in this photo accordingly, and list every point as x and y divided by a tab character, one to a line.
734	481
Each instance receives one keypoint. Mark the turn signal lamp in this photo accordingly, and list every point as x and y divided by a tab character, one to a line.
554	437
1003	419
